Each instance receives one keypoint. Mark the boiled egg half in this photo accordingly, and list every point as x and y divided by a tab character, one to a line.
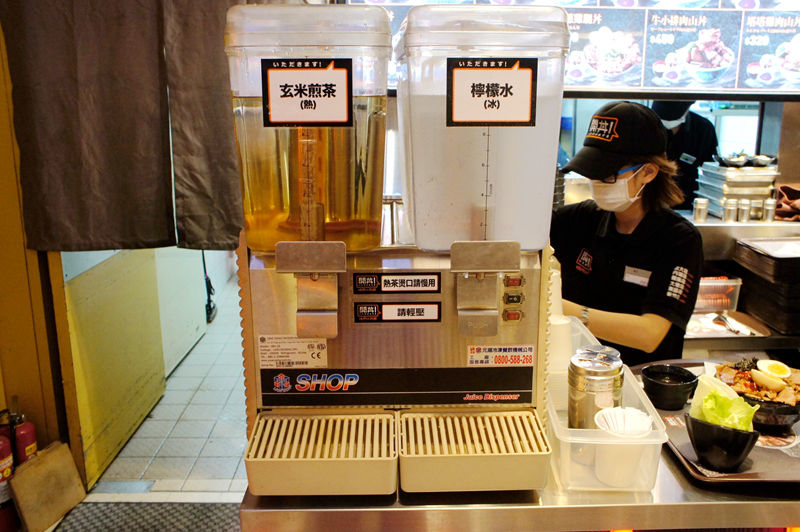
774	368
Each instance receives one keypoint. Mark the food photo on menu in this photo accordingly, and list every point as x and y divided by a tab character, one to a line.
696	49
770	57
665	4
604	49
759	4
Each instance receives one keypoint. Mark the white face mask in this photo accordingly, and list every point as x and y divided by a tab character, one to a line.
669	124
614	196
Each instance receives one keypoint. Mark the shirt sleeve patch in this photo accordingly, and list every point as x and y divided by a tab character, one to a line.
680	284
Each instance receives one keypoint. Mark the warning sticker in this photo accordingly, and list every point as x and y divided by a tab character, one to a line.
286	351
500	355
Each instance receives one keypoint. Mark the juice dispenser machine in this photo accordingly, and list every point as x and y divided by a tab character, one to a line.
366	367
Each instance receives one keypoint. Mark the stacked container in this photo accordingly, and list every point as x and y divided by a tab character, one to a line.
309	99
480	90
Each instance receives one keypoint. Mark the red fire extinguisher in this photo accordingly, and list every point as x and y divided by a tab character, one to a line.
8	513
23	434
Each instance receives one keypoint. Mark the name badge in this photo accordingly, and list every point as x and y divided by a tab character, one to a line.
636	276
688	159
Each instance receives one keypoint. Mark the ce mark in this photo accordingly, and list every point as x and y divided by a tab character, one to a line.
316	355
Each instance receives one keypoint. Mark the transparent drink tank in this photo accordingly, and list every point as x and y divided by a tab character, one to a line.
308	84
480	91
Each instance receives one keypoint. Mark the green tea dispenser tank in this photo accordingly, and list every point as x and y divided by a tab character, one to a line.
308	84
480	89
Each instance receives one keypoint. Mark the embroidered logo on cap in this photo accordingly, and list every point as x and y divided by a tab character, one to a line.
603	128
584	262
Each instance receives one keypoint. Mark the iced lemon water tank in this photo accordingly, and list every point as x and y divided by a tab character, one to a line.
480	90
309	101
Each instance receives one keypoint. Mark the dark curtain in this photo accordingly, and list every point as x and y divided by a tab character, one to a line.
97	85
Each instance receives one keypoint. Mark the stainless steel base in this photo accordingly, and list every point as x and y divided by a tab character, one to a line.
674	503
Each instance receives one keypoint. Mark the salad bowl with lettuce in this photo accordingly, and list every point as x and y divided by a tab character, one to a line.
720	425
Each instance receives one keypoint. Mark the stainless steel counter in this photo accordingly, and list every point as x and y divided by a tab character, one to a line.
719	238
675	502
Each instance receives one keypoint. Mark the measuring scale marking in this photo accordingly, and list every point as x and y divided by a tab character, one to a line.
488	187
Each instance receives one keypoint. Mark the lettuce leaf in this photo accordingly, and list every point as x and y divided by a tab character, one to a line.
726	411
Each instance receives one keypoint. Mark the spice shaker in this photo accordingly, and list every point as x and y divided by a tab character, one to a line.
730	213
595	382
744	210
700	209
769	210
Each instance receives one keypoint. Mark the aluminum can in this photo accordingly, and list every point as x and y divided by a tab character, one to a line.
595	382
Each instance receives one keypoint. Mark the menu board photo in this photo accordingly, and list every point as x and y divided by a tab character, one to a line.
695	49
605	47
770	56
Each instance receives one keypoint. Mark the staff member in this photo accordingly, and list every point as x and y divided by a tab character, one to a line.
630	265
691	141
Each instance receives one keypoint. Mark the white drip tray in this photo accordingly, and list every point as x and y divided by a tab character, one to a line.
473	451
322	455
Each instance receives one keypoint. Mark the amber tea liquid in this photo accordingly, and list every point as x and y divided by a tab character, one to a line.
312	183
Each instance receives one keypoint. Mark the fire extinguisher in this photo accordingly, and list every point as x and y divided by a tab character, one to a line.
8	513
23	436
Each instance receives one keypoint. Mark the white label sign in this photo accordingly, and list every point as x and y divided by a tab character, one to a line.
500	355
285	351
492	91
410	312
309	92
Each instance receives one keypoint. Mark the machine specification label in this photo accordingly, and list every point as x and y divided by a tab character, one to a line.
383	283
286	351
500	355
491	91
383	312
307	92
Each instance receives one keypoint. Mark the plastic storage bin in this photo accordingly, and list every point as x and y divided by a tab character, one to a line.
717	295
480	91
309	100
578	452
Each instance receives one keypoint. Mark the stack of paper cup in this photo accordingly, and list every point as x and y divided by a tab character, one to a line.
556	305
560	338
617	464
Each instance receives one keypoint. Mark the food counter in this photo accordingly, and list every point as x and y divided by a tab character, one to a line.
675	502
719	238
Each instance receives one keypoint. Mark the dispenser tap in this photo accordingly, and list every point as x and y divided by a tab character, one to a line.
478	265
315	265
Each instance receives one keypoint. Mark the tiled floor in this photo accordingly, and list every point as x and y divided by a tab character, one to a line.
191	446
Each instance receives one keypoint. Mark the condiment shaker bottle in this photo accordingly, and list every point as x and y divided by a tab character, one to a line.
744	210
700	209
595	382
769	209
731	206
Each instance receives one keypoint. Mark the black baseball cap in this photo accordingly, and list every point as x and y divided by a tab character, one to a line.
617	132
671	109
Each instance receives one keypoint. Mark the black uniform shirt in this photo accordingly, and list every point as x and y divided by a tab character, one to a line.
693	144
654	270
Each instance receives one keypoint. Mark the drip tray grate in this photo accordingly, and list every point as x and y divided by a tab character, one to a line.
472	451
322	455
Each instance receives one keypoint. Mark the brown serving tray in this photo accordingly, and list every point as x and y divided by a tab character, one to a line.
773	459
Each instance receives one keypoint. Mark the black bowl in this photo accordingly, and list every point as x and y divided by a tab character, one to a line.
668	386
720	448
772	416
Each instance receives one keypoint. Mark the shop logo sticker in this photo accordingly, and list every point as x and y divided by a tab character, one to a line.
281	383
603	128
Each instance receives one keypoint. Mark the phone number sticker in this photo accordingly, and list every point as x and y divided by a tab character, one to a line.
285	351
500	355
